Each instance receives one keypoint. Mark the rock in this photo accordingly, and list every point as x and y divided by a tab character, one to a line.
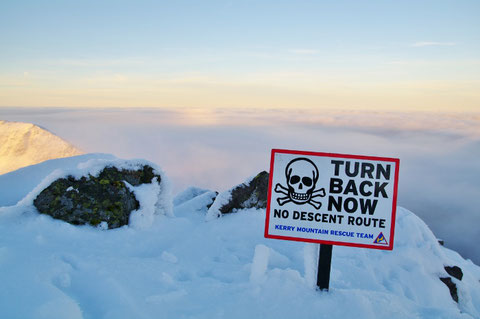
451	286
251	194
454	271
95	199
248	195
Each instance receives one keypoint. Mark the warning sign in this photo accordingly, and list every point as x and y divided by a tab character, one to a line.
332	198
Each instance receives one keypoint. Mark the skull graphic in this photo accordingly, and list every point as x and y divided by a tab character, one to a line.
301	175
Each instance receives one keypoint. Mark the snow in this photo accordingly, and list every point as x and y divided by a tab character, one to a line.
259	263
221	200
25	144
310	259
197	204
180	266
147	195
188	194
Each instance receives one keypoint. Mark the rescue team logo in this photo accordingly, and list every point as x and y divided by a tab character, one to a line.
332	198
380	239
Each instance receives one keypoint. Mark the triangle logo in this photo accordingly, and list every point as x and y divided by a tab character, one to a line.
380	239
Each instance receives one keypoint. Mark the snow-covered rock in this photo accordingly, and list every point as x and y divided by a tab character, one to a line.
83	183
250	194
24	144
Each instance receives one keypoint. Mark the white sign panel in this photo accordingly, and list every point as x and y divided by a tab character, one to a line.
332	199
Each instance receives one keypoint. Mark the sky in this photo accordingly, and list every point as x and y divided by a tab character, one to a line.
373	55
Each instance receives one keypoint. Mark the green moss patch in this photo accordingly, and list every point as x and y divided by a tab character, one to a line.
92	200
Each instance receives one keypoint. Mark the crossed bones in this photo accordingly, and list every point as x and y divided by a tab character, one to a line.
284	190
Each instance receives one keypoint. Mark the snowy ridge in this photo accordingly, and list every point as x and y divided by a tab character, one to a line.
183	267
188	194
197	204
23	144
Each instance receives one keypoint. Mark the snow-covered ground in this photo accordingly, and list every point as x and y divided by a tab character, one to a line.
24	144
182	266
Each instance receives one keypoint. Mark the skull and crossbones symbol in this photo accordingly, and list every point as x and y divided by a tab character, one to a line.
302	176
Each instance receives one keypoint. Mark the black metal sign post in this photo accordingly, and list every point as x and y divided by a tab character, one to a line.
324	265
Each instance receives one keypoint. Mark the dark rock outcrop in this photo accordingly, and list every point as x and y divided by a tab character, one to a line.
94	199
454	271
248	195
451	286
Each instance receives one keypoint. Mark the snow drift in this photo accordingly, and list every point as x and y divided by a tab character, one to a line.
23	144
180	266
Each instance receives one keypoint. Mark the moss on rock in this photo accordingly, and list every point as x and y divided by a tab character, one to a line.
92	200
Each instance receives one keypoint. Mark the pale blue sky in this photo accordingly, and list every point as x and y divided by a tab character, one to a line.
371	54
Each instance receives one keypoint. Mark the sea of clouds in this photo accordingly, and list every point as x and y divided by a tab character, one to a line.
218	148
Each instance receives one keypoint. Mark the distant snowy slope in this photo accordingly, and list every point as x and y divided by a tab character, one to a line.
180	266
23	144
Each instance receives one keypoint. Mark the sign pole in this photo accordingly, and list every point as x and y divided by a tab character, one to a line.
324	265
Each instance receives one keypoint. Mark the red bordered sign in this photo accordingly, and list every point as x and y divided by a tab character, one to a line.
333	199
